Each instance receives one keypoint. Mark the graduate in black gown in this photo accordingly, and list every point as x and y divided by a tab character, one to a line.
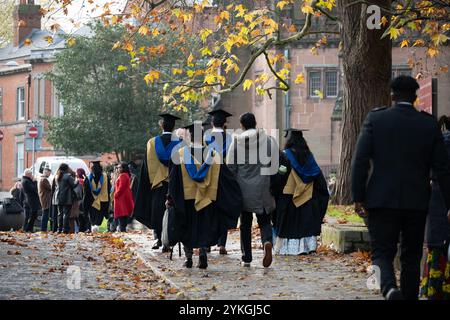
302	198
96	195
204	196
218	139
153	179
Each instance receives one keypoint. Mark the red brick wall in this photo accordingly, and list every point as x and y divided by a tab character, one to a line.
14	130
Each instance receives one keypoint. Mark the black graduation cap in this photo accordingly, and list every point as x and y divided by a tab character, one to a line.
292	130
220	115
169	117
191	127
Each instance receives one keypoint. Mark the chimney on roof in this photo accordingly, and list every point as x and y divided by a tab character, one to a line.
26	17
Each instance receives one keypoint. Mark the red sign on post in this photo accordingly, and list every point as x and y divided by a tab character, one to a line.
33	132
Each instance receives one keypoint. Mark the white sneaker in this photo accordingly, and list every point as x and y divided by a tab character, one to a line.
94	229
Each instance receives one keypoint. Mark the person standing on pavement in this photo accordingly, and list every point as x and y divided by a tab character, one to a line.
401	145
83	219
32	204
153	179
251	170
220	141
96	195
436	277
64	196
123	197
45	196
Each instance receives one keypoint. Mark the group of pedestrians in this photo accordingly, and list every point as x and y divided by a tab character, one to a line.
195	184
75	201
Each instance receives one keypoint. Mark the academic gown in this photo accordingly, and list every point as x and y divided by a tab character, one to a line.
201	229
150	205
305	221
96	216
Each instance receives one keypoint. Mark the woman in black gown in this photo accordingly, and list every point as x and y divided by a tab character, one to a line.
302	198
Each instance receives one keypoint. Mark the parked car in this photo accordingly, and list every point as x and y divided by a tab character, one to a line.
54	162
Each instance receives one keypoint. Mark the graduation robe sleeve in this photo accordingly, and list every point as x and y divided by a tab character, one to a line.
229	197
321	196
142	207
178	225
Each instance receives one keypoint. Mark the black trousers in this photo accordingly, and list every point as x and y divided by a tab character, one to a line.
385	228
30	218
246	232
54	218
63	218
223	239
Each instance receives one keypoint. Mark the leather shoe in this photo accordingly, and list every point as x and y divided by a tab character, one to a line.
267	260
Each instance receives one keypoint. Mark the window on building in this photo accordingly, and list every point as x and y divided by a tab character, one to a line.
20	103
314	83
401	71
331	84
20	158
325	80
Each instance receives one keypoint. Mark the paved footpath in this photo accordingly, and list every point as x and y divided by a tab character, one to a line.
325	275
123	266
43	266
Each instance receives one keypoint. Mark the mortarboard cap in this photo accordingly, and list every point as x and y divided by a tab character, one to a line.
220	113
292	130
168	116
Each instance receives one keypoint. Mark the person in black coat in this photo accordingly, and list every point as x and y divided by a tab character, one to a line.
64	196
31	200
402	145
437	235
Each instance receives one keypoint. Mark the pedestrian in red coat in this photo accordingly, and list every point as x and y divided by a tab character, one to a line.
123	197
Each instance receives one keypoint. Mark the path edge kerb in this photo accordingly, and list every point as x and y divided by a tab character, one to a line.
154	269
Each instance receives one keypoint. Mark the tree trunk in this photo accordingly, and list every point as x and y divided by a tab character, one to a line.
366	62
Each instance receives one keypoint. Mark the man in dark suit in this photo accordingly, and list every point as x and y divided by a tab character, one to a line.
401	146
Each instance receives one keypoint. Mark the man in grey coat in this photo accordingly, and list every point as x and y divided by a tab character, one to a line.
253	158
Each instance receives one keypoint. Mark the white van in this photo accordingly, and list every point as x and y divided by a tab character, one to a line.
54	163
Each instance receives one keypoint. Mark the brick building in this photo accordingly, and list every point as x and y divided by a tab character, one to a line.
25	94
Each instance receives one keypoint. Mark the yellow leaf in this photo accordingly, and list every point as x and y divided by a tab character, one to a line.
318	93
143	30
155	32
260	90
383	21
205	51
27	42
299	79
404	43
121	68
151	76
247	84
189	60
49	39
114	19
307	9
116	45
225	15
439	39
71	42
432	52
204	34
176	71
282	4
394	33
128	46
209	79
